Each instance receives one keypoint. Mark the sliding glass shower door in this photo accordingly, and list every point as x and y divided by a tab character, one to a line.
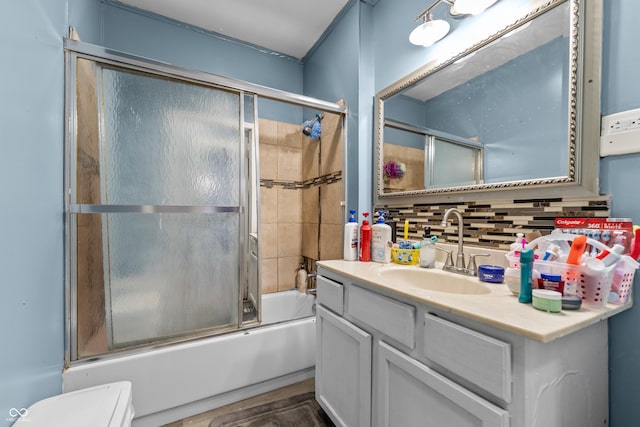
156	211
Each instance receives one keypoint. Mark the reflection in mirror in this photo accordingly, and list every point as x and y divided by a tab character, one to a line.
414	150
502	113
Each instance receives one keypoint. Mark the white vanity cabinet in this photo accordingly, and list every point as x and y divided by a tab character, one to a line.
387	360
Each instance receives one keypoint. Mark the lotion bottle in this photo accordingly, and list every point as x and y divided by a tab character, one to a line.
380	235
365	239
351	238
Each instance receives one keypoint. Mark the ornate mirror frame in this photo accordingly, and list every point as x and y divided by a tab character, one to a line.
584	118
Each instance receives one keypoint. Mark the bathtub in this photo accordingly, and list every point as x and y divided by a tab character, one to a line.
174	382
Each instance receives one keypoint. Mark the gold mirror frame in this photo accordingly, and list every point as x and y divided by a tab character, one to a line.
584	118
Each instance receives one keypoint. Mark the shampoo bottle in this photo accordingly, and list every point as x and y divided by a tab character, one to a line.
380	235
365	239
351	238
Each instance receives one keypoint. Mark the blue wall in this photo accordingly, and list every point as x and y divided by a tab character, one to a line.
31	246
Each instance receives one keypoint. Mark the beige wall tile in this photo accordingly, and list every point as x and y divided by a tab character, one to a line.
289	163
269	275
330	198
268	132
331	241
331	144
290	135
289	206
268	241
268	205
268	161
289	240
310	158
310	240
310	204
287	269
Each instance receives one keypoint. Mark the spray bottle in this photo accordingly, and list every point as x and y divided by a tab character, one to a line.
365	239
351	238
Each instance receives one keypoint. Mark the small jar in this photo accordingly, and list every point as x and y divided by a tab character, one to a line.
512	279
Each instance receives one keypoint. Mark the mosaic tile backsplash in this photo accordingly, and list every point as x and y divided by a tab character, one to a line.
494	224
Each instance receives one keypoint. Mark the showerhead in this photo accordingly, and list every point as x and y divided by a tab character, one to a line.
311	128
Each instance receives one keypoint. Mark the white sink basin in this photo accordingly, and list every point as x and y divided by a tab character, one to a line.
435	280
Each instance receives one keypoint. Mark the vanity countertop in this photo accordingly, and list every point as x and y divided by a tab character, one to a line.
498	308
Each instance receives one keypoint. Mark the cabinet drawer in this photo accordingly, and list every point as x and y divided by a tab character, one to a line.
478	358
393	318
330	294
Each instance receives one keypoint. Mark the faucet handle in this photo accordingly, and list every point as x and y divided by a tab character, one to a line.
471	266
449	261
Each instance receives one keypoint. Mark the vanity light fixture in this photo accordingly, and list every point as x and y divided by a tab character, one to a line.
470	7
432	30
429	32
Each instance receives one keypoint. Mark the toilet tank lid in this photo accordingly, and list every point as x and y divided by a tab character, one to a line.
107	405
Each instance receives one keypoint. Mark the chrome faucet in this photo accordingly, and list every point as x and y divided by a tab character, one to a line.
470	269
458	214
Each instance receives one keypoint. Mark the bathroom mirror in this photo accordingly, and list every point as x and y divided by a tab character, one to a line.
516	113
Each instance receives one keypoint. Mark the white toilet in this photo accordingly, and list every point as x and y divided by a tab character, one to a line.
107	405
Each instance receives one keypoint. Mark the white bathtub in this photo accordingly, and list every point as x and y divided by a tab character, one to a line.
178	381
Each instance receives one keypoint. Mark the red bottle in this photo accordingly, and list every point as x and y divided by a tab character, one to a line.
365	239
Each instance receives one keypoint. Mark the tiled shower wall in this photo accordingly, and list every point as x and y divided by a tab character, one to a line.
494	223
300	193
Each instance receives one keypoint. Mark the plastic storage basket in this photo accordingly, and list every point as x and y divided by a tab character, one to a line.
591	285
405	256
622	281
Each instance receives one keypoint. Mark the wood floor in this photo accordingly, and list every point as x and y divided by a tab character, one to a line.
203	420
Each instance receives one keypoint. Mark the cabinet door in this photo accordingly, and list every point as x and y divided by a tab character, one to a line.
412	394
343	370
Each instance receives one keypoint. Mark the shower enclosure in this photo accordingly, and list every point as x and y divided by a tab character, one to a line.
161	199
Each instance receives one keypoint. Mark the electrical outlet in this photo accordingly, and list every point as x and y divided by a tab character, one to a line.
620	133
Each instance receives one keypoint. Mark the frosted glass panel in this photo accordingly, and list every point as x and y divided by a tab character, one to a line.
170	274
168	142
454	164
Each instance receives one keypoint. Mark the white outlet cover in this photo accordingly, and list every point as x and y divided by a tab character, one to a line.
620	133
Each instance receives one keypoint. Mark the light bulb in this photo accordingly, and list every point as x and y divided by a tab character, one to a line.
471	7
429	32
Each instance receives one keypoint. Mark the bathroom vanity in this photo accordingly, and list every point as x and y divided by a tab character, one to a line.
404	346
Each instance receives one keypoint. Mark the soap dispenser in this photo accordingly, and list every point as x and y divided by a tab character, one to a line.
518	244
428	249
380	236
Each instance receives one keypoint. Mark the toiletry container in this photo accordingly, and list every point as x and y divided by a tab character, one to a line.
365	239
428	249
107	405
301	279
526	275
517	244
380	236
351	238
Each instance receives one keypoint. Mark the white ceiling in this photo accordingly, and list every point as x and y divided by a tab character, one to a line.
291	27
